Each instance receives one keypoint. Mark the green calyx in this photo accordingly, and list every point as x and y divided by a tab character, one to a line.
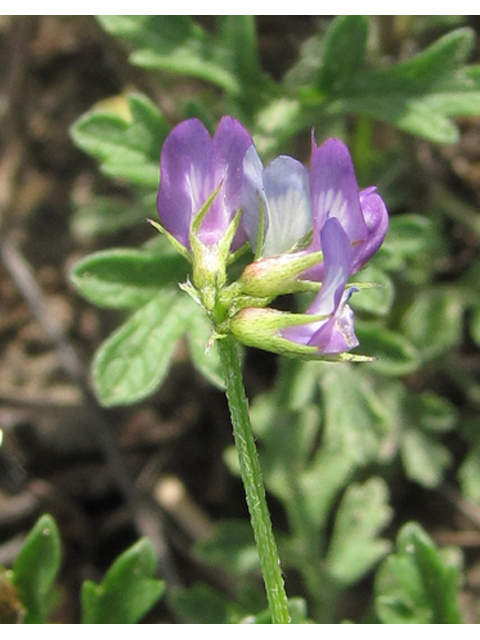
279	275
261	328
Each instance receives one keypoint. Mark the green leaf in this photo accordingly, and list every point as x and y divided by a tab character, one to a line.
434	321
409	236
278	121
420	94
176	44
287	422
469	475
232	547
475	326
394	354
133	361
127	142
430	411
297	608
36	568
149	125
378	299
127	278
128	591
415	585
201	604
322	482
353	435
288	419
417	420
345	44
357	427
424	458
108	215
355	547
239	37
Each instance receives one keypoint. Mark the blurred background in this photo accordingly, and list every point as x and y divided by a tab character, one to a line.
157	467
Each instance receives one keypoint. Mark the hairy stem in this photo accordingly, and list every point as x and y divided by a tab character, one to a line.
253	482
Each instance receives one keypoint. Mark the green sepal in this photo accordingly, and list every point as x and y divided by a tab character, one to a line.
278	275
260	328
189	289
178	246
209	261
199	217
260	231
234	255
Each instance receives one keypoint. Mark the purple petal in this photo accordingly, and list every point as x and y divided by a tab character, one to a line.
336	259
376	218
338	334
335	333
334	191
186	178
192	167
230	144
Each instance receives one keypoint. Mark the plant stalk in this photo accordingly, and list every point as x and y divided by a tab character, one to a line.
253	482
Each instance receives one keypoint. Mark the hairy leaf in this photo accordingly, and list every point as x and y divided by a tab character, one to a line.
36	568
133	361
416	585
128	591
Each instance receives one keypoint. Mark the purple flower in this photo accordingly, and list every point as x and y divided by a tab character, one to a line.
294	201
193	166
284	202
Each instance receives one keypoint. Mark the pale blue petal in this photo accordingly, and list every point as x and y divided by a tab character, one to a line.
252	195
288	216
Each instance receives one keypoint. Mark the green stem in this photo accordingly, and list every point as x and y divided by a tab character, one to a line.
252	481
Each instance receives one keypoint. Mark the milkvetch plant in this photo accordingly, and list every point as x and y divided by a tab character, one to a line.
213	197
245	234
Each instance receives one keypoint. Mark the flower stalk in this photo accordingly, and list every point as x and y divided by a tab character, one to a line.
253	482
309	231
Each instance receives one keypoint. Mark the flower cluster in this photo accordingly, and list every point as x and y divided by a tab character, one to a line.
308	230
